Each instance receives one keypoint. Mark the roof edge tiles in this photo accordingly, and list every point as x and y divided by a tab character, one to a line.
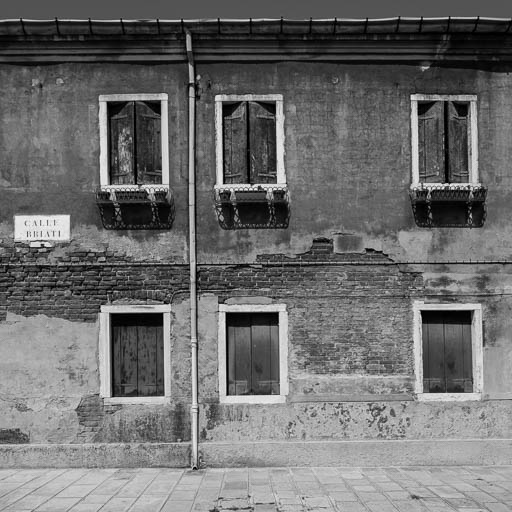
56	27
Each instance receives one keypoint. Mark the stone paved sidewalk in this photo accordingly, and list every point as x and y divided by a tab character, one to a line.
428	489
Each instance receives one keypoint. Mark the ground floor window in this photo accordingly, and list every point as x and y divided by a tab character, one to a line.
137	354
253	353
448	348
134	348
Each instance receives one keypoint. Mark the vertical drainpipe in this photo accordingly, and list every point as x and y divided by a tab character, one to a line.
192	245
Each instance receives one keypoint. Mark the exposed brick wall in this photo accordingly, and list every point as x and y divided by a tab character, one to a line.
91	412
349	313
73	286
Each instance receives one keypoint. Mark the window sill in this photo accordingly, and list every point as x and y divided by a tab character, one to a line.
445	186
135	206
448	204
249	187
137	400
118	190
253	399
448	192
240	206
449	397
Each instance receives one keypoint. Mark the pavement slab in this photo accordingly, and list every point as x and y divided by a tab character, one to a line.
305	489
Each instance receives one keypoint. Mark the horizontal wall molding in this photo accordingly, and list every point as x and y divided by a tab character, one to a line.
350	398
260	264
420	452
95	455
371	453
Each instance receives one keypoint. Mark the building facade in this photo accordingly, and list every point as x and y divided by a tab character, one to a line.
255	242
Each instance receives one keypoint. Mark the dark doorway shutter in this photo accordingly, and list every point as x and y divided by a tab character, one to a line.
447	352
458	169
122	137
253	353
235	142
148	142
262	142
137	355
431	142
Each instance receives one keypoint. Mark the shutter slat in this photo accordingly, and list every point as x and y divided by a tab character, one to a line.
453	355
433	352
467	358
262	353
274	356
116	360
235	143
458	170
431	142
239	382
160	373
121	130
262	142
148	143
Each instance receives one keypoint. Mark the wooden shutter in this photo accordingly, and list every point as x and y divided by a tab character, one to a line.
457	142
252	353
137	355
447	352
265	354
262	142
148	142
235	142
122	136
239	354
431	142
124	358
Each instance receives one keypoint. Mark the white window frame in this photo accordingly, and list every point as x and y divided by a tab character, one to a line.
476	345
472	138
219	149
104	99
105	353
283	353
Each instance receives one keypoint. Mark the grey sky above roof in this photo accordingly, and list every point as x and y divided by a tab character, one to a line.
296	9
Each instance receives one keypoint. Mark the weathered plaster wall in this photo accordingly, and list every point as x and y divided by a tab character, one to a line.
50	387
348	169
47	366
333	421
347	130
50	160
347	145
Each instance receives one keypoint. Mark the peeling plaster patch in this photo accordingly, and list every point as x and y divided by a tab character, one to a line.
416	243
47	365
141	246
22	407
13	436
356	420
249	300
348	243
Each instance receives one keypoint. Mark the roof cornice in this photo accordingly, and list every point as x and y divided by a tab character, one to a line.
336	39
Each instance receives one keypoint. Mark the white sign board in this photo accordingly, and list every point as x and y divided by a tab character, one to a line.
41	227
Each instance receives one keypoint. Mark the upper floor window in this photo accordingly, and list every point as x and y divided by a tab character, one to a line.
134	140
250	139
444	139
